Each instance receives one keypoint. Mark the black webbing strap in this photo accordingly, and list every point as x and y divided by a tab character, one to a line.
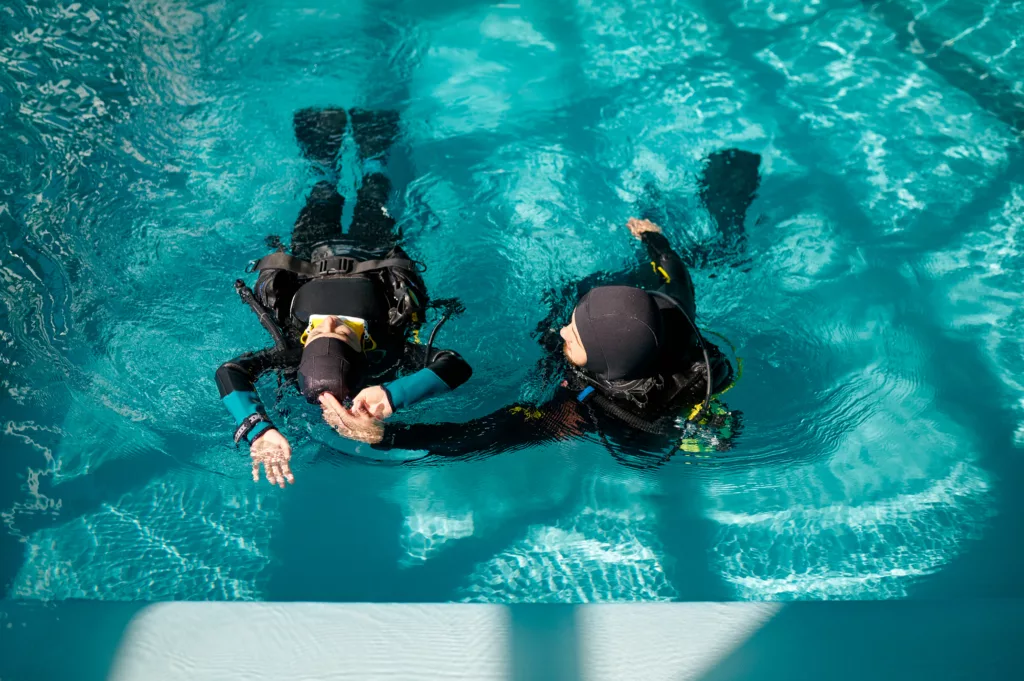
246	426
336	265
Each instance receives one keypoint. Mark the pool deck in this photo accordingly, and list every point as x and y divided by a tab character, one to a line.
904	641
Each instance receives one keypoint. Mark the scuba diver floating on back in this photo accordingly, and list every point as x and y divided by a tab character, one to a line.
341	306
637	366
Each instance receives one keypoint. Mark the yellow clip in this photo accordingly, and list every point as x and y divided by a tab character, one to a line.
528	414
660	270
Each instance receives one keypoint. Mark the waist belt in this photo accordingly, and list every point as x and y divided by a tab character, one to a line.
329	266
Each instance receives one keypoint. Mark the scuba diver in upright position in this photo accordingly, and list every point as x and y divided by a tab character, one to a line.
637	366
341	306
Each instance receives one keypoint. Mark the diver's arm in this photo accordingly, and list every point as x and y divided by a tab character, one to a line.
442	372
235	381
670	269
507	429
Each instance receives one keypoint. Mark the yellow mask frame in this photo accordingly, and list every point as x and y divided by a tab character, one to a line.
355	323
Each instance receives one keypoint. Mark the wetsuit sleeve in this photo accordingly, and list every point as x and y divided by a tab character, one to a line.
442	372
671	270
507	429
236	382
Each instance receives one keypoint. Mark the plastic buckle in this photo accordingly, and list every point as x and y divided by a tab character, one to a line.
585	393
251	267
246	426
341	265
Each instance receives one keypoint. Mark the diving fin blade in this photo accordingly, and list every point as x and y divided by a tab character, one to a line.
319	133
728	186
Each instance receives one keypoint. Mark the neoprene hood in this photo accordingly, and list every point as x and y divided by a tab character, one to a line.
620	328
330	366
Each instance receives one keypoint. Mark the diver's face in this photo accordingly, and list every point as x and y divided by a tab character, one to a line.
331	361
332	326
573	345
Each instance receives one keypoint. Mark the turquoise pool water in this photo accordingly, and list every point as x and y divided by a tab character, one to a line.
148	151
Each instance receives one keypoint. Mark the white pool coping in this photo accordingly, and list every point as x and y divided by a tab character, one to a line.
193	642
904	641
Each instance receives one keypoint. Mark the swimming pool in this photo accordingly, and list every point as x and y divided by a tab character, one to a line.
148	152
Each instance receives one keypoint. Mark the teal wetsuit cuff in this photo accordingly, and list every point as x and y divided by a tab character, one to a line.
409	390
252	428
242	404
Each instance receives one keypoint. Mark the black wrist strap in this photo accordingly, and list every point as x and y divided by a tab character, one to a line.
246	426
391	400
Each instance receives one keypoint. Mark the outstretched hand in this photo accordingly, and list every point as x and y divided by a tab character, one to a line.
355	426
273	452
637	227
372	401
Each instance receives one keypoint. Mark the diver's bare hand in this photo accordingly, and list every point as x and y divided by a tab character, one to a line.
372	401
273	452
637	227
354	426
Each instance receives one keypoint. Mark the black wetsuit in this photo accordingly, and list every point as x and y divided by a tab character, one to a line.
632	431
566	415
316	236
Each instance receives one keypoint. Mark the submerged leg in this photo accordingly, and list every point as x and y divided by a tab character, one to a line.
728	186
319	220
374	133
319	133
372	225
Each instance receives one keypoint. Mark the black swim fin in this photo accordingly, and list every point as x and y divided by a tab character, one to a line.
728	186
375	131
319	133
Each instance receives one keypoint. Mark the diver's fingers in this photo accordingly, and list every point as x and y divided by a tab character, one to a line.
349	423
364	408
330	402
255	470
274	475
333	419
340	427
348	418
282	468
360	404
286	469
362	428
332	411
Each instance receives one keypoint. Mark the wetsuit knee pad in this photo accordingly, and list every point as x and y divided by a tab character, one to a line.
330	366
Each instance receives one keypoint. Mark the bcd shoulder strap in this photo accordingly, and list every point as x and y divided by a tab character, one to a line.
330	266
